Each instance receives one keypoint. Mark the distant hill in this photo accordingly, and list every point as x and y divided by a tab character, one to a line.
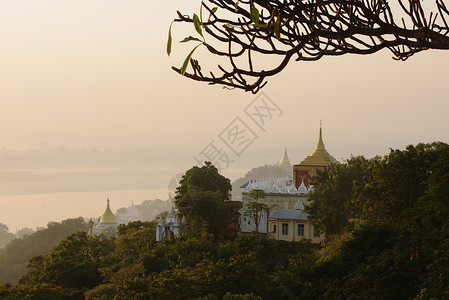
148	210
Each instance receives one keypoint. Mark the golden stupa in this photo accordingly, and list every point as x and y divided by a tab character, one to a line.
319	159
320	156
108	217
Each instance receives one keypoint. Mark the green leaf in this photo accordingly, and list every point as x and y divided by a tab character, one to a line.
197	24
169	41
236	5
214	10
277	28
201	13
255	15
190	38
186	61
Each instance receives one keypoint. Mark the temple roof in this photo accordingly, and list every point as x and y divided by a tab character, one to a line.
319	156
108	217
274	185
288	214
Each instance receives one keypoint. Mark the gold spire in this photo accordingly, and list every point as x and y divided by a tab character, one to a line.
319	156
108	217
320	144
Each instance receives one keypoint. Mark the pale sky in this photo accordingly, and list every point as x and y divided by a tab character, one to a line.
95	75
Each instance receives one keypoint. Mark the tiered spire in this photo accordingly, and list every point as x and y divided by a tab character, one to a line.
107	217
319	156
285	163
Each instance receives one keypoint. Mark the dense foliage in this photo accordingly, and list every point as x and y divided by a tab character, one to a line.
201	197
387	221
16	255
134	266
384	190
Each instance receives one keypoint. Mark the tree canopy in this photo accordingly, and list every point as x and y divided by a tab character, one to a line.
200	198
5	235
245	32
73	263
376	190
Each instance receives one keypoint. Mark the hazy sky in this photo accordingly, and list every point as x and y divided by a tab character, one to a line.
95	75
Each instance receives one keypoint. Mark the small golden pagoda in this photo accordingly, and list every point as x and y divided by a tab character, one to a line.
108	224
319	159
108	217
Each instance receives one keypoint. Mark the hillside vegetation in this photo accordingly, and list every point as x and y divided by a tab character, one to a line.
387	225
14	257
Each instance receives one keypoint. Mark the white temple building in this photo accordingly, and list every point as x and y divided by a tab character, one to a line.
286	197
170	229
280	193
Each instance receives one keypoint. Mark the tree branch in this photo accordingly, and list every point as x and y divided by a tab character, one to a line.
309	30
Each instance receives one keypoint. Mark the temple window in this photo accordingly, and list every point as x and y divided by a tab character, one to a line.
300	229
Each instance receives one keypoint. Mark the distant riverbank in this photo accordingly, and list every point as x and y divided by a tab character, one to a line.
19	211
